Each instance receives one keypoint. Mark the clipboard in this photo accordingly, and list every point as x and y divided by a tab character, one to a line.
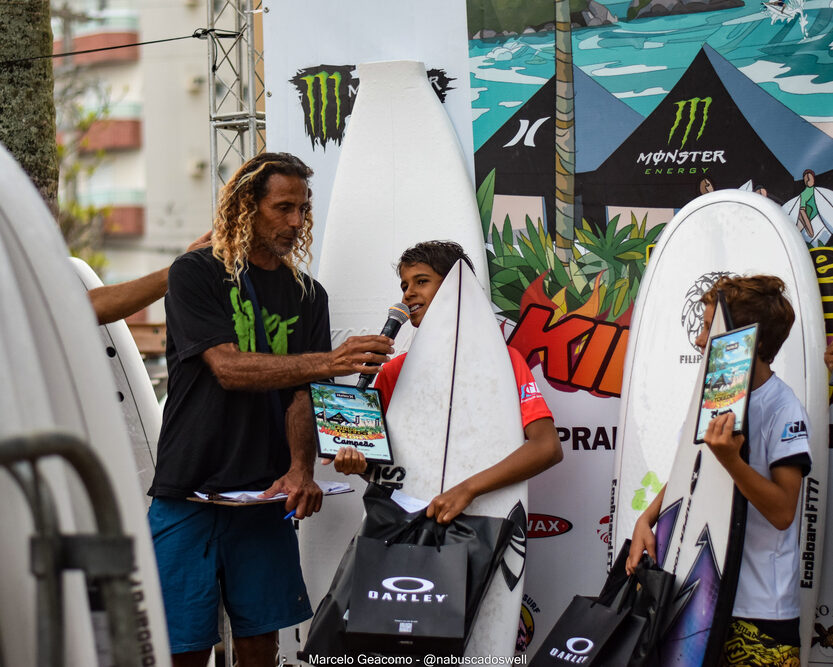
730	367
246	498
347	416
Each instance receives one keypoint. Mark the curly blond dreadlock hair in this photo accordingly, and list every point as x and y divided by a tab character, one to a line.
239	199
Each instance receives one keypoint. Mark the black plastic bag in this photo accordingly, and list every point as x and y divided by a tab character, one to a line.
619	627
485	538
408	598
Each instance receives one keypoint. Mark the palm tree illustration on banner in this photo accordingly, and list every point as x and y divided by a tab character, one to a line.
565	135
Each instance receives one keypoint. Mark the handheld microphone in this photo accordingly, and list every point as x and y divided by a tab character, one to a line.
398	314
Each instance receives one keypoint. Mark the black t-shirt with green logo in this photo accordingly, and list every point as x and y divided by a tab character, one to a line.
214	439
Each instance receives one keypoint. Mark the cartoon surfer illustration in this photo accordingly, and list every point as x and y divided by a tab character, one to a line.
777	5
812	211
785	11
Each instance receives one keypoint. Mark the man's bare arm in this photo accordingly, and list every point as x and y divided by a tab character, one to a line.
256	371
304	494
115	302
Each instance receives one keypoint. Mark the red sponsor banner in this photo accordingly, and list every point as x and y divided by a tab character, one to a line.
546	525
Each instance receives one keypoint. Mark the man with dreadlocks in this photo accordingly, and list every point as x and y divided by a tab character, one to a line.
238	415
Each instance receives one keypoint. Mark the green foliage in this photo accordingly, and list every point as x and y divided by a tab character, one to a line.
619	255
81	225
615	259
485	199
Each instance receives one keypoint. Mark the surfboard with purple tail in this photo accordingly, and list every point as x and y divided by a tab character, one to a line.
720	233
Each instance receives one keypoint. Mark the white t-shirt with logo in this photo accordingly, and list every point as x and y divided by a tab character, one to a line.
769	571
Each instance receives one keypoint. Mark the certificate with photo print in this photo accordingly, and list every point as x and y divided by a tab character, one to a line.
351	417
731	362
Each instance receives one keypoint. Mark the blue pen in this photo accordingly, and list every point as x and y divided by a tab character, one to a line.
290	515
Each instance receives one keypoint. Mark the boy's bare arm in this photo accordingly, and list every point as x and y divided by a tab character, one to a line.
777	498
541	451
643	538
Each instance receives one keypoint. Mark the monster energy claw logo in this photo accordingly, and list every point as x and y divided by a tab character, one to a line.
326	96
327	93
692	105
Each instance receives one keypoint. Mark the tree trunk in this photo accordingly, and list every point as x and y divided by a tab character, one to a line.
565	134
27	110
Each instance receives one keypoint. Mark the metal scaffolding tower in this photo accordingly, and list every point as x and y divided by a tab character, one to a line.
235	87
237	128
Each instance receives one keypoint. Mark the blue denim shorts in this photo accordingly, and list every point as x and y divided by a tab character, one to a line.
246	555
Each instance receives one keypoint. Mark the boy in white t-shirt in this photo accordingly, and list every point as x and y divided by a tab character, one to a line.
764	627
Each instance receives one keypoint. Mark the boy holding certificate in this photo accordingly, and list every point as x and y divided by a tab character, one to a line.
766	608
422	269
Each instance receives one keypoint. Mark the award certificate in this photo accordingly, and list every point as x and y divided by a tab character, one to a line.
731	362
347	416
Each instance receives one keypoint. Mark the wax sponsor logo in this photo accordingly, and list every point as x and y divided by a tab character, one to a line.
793	431
811	517
407	589
575	650
327	94
689	121
546	525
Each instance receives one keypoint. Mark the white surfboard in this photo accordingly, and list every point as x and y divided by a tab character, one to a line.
22	410
134	390
401	179
454	412
78	395
720	232
699	539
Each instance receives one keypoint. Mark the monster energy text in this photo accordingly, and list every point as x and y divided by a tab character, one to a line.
686	129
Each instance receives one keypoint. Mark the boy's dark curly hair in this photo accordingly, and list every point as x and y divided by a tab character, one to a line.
758	299
439	255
